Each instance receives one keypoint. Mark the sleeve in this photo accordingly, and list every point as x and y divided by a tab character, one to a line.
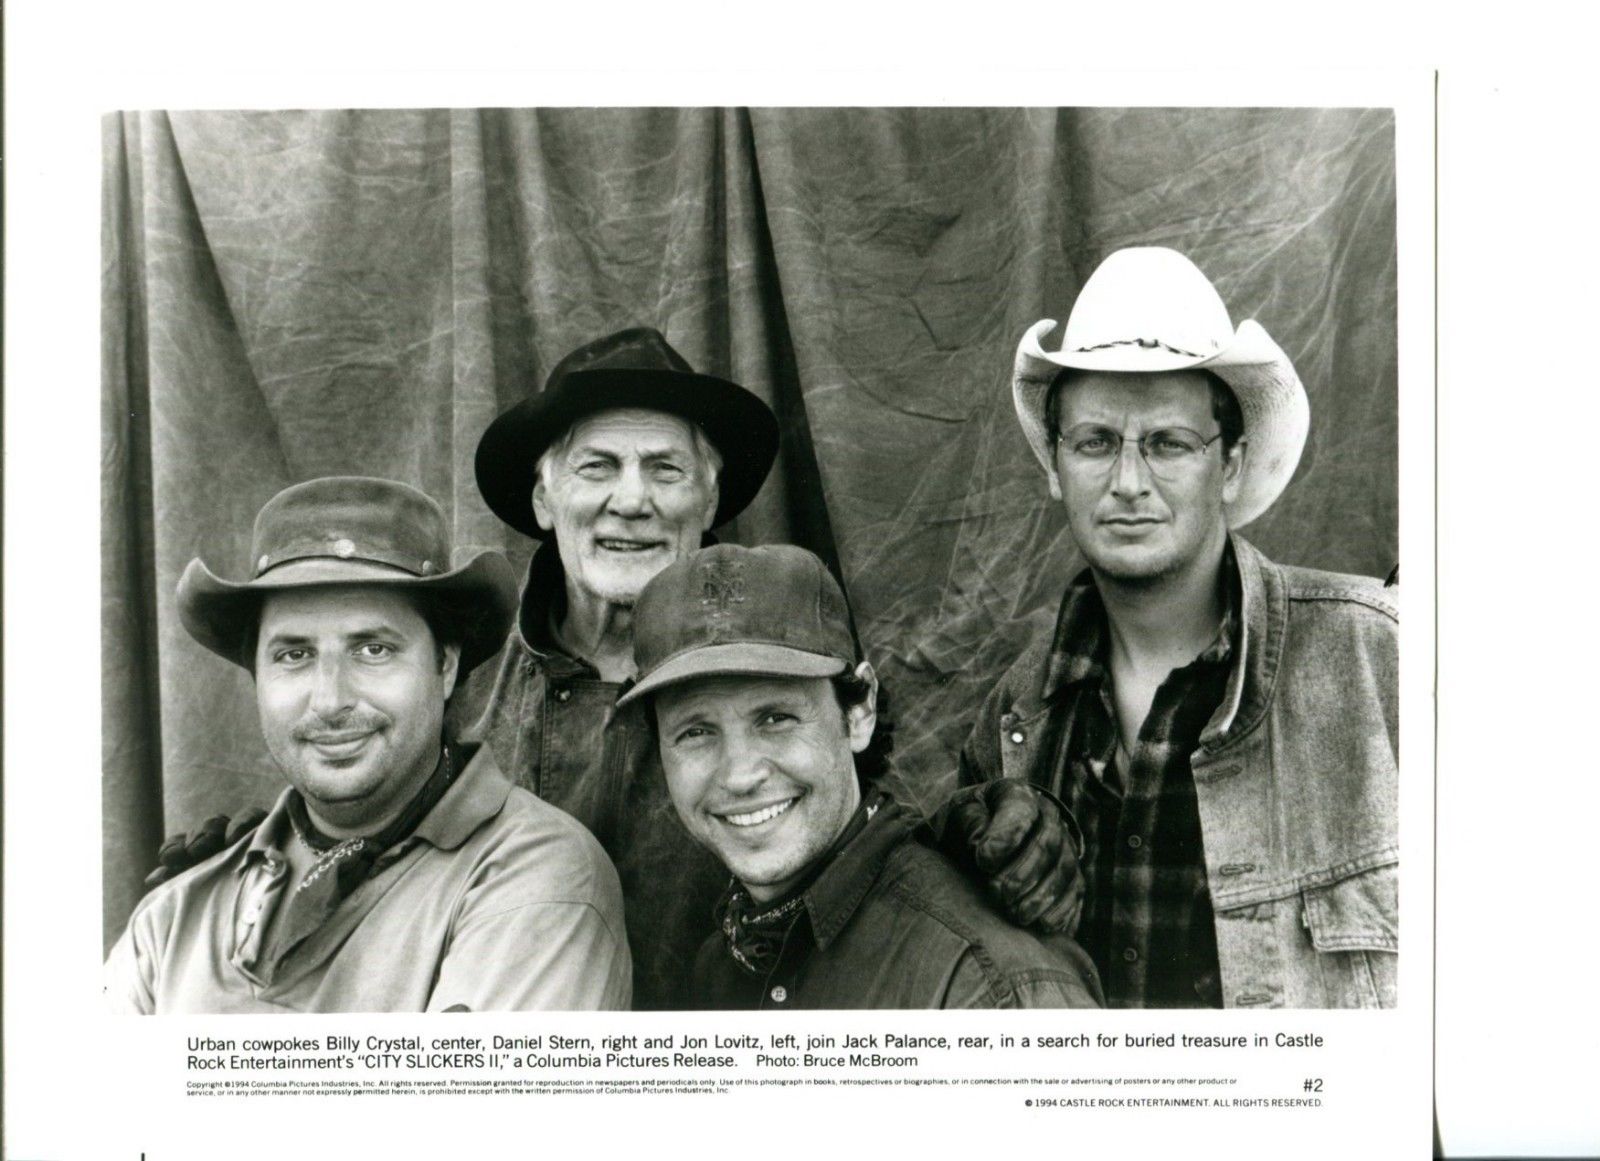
128	981
565	949
1073	985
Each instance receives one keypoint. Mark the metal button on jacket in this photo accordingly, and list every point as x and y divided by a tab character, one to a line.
779	994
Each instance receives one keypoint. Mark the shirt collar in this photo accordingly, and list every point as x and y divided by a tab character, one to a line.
1079	649
838	891
478	794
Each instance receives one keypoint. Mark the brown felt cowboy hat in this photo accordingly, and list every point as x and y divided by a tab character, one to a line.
1147	308
634	368
350	530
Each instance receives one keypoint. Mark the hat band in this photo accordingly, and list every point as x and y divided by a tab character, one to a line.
335	567
1147	344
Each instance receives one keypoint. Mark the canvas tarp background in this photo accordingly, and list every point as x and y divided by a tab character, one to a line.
289	295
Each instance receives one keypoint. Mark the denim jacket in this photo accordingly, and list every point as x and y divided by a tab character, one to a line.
553	727
1297	782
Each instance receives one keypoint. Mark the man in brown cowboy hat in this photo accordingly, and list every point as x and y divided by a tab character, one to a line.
1224	728
401	870
765	718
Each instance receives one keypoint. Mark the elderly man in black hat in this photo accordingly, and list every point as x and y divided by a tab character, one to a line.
1223	727
401	870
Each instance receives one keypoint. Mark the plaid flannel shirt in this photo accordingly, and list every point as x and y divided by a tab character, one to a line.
1147	919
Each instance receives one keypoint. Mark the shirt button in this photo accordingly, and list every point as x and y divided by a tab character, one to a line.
1135	841
779	994
563	694
1129	955
1018	736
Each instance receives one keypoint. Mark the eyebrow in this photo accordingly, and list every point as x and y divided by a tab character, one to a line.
366	632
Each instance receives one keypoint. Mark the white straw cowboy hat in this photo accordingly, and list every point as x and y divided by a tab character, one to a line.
1148	308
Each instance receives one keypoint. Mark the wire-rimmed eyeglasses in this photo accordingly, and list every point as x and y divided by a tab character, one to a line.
1170	451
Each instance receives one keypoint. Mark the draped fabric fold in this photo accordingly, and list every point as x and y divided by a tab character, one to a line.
295	294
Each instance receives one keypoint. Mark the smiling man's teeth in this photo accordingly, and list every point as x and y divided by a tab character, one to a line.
624	545
759	816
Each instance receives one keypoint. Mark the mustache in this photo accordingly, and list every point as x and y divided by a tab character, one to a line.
313	728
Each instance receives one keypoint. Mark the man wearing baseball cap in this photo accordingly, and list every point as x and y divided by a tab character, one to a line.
765	717
400	870
1224	728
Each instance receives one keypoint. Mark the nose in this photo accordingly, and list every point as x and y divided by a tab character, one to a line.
745	765
331	694
631	495
1130	475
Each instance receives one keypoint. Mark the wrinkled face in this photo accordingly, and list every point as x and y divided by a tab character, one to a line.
626	496
351	688
1129	522
761	770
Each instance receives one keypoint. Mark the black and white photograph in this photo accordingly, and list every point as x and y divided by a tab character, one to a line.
730	565
675	558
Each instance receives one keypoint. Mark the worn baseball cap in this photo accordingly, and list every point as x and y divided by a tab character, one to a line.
349	530
770	611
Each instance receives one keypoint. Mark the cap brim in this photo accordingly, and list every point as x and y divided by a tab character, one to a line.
216	612
750	658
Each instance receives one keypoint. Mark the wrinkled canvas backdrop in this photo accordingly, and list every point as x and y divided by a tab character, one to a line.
290	295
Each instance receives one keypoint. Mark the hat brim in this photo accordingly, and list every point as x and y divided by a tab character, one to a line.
740	426
1277	414
748	658
218	613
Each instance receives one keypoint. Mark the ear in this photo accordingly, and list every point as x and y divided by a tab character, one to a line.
1055	483
862	719
541	505
713	498
1233	470
449	668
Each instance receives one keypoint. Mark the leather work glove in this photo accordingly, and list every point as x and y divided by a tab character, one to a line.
1023	844
188	848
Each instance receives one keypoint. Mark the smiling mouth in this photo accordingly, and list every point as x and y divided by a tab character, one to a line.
757	817
613	545
335	747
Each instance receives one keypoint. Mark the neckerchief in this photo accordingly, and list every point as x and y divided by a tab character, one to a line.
344	864
755	932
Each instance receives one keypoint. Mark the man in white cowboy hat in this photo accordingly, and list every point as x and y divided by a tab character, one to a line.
1224	728
400	870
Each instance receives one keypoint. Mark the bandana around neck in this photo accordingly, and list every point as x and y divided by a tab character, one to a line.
755	932
344	864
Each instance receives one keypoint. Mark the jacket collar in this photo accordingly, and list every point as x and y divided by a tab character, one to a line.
838	891
1264	616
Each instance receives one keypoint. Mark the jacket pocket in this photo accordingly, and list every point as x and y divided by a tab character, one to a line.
1355	931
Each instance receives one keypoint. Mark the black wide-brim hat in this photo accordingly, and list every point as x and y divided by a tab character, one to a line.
634	368
350	530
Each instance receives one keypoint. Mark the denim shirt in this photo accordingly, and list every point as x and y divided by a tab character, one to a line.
892	924
555	730
1297	781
